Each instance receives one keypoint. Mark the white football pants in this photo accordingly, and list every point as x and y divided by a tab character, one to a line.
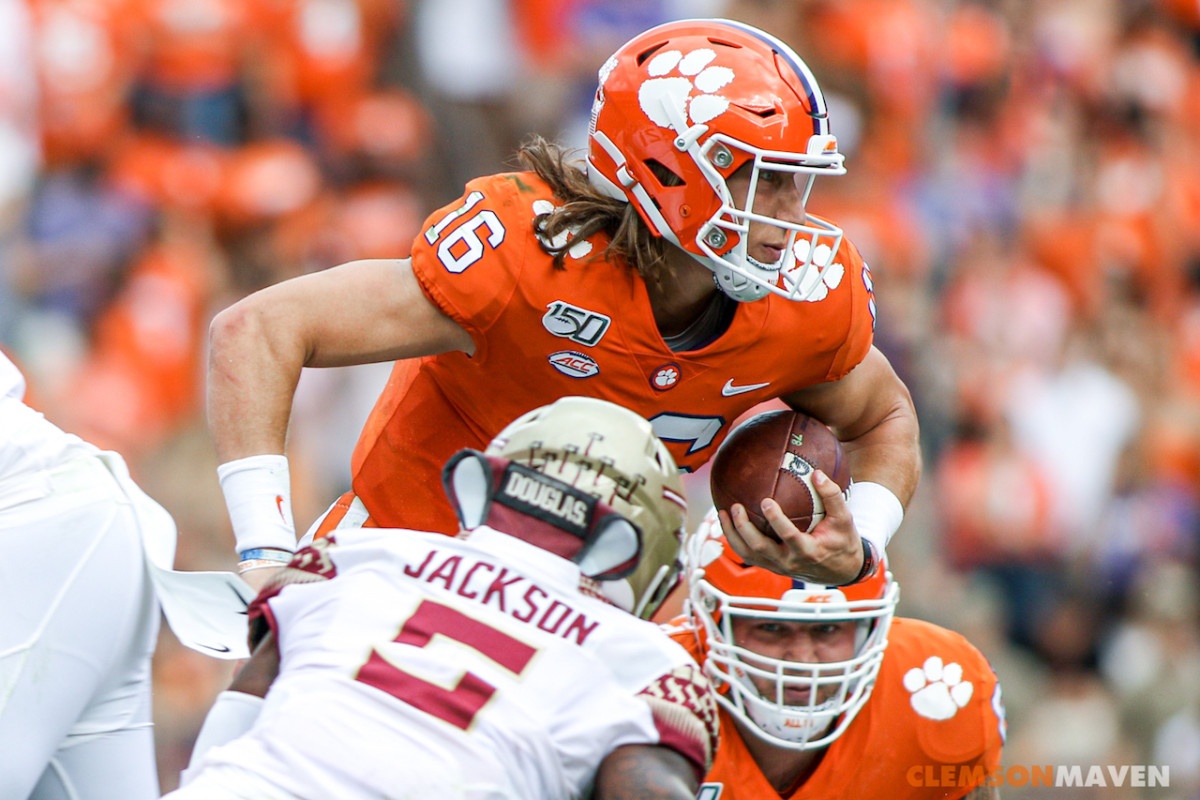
78	626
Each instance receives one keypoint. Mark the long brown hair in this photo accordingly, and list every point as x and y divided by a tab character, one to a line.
585	211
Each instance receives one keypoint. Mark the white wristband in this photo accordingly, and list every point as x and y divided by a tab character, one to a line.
231	715
258	493
877	512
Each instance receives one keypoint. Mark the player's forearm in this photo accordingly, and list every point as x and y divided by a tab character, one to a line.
260	670
253	370
885	464
254	365
872	412
889	453
645	772
235	710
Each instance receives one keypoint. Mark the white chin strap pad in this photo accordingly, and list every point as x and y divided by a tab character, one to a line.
737	287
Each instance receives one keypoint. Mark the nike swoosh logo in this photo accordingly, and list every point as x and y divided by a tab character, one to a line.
215	648
729	390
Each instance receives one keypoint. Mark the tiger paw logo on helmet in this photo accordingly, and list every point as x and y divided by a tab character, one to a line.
695	72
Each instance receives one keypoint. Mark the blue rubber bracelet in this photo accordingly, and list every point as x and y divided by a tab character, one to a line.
267	554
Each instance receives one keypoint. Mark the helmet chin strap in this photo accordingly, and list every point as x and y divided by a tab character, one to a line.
737	286
787	726
798	728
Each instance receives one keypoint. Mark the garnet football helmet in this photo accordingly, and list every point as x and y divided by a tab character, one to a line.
722	588
685	105
607	452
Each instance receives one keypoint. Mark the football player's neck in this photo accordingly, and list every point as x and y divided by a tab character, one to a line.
682	296
786	770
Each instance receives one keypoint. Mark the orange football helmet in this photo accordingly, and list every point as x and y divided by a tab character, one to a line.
683	106
721	587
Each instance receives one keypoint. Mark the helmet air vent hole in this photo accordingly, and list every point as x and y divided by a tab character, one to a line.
724	43
762	112
663	174
645	54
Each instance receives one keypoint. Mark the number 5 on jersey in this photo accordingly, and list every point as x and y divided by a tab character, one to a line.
460	704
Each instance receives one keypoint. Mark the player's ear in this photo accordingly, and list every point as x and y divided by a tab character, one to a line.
468	481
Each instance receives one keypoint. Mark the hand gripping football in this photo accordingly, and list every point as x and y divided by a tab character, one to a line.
774	454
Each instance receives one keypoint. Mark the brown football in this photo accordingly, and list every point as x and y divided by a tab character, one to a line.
773	454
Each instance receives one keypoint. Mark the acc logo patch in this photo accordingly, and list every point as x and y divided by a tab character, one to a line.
574	364
665	377
577	324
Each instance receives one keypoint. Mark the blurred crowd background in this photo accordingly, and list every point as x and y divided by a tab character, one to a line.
1023	178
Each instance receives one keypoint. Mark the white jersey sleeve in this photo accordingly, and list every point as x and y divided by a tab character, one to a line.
453	667
12	382
30	442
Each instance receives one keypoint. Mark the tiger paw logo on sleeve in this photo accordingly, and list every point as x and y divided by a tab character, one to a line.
937	689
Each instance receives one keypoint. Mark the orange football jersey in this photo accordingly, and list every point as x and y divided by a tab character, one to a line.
919	717
542	333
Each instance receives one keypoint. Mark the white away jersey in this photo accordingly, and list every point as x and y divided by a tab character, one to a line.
440	667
